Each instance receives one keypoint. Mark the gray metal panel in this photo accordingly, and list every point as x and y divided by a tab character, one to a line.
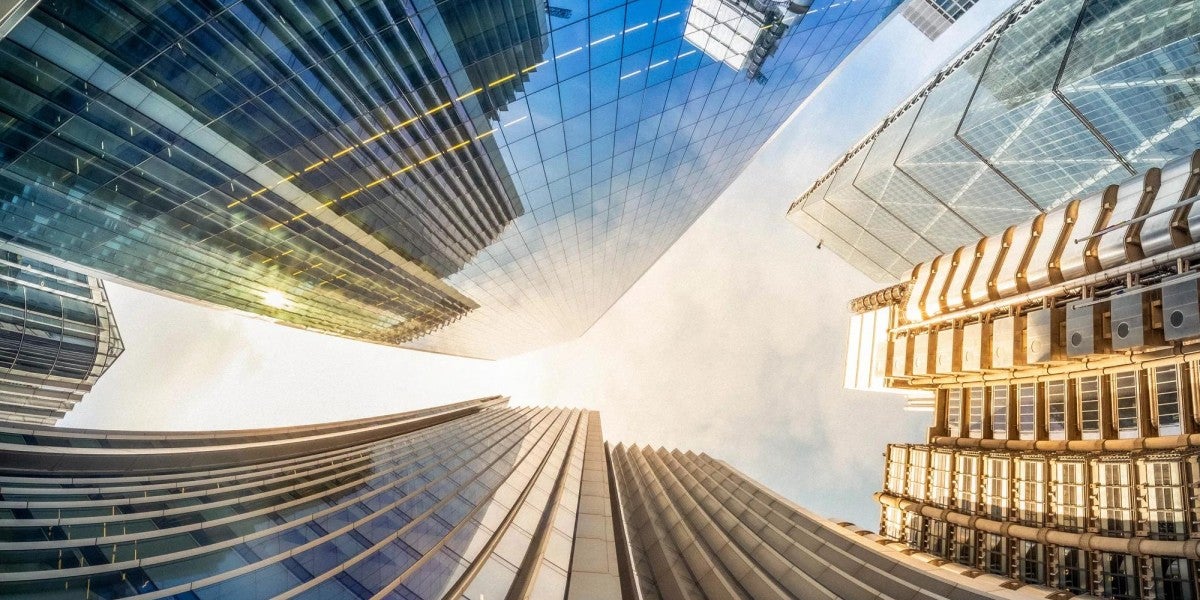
924	344
1130	321
1004	331
1112	251
947	358
1093	217
1156	230
1043	343
1007	273
1181	310
974	346
956	296
1055	227
1084	335
992	251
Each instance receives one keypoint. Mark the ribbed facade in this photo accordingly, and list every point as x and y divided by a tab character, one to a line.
934	17
469	500
57	337
473	178
1058	99
697	528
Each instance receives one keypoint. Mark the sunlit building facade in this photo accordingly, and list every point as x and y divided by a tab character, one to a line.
1055	101
57	337
473	500
1062	354
934	17
470	178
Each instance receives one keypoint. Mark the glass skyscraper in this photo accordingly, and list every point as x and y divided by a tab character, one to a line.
473	500
1057	100
464	177
57	337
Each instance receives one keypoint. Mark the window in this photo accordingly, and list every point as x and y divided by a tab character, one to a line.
1031	559
966	482
996	485
1070	489
999	411
1072	570
1125	400
1026	407
964	546
1118	576
941	477
954	412
897	461
1166	397
1089	407
1031	490
975	412
1115	494
1056	408
996	554
918	473
1164	498
938	537
1173	578
914	529
893	523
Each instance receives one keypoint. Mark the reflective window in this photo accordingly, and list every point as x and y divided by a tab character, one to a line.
939	538
1031	490
966	484
1070	494
1073	570
1089	406
1163	481
995	548
918	473
1166	396
999	411
1026	407
941	477
975	411
1125	403
1115	497
897	462
1119	577
1173	578
954	397
1031	562
997	483
1056	408
963	551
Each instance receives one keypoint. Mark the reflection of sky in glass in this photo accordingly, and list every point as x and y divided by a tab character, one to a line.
616	145
497	174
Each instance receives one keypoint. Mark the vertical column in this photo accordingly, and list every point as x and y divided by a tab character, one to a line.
1072	425
1147	416
1187	396
941	405
594	571
1108	427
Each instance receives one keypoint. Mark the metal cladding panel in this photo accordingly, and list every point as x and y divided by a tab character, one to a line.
956	287
932	304
1005	343
976	347
1009	270
1046	250
1093	216
948	358
1181	310
1130	321
1043	336
1084	333
947	269
918	282
1133	197
901	356
1168	229
924	345
978	291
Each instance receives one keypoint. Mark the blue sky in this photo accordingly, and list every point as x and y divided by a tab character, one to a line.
731	344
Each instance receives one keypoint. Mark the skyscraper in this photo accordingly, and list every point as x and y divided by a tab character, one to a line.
1062	355
934	17
471	500
468	181
1057	100
57	337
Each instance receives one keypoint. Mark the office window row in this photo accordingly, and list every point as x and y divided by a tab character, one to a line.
1114	494
1148	402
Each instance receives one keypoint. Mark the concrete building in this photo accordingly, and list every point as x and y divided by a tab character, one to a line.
471	500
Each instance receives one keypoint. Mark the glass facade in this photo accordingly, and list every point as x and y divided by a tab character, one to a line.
470	178
57	337
1058	100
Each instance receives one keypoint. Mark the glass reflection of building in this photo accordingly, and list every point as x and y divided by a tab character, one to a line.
1062	354
57	337
462	177
473	500
933	17
1059	99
